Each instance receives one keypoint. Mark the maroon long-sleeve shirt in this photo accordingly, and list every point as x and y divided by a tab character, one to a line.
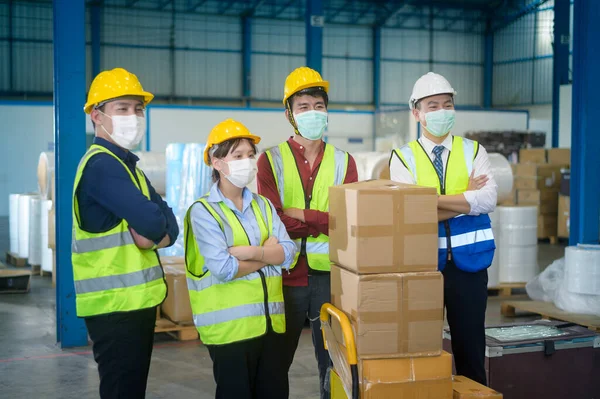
317	222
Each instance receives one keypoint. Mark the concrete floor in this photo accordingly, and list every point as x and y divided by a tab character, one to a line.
33	365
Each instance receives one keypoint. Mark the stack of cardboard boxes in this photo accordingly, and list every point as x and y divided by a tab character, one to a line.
537	182
383	241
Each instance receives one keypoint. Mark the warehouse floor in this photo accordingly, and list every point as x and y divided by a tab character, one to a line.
33	365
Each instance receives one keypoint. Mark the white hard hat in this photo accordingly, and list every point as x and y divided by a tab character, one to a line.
428	85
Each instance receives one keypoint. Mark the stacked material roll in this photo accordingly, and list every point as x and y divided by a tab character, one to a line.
503	175
372	165
154	166
45	173
582	269
47	256
35	233
494	269
13	220
187	179
23	220
517	243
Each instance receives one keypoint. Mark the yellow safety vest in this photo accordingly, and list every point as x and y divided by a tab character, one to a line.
241	309
469	239
111	273
332	172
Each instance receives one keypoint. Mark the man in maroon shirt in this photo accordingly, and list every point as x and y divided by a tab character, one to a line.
296	176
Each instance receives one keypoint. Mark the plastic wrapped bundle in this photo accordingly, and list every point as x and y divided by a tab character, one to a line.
188	179
517	244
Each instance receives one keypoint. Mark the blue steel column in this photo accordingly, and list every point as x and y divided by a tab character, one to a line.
585	141
488	67
95	22
314	34
69	138
562	14
246	59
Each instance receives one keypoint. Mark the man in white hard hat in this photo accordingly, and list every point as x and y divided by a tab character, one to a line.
460	170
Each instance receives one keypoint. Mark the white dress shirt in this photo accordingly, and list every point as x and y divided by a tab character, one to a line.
481	201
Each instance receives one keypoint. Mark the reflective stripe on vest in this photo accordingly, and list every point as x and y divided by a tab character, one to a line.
111	274
471	241
232	314
332	172
232	311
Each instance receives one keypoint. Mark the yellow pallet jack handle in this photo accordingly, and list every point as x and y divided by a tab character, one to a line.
327	311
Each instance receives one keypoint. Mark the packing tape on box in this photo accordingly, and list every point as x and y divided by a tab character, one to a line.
582	269
395	230
402	316
503	175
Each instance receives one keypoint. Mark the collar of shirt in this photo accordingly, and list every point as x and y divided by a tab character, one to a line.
300	148
215	195
429	145
126	156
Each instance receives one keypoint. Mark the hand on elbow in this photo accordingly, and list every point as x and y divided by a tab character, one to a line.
140	241
477	183
245	252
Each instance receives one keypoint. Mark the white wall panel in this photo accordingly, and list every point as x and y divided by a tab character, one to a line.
543	81
208	32
512	84
398	79
350	80
278	36
4	66
466	80
152	67
458	47
515	41
269	73
32	67
545	34
347	41
26	132
208	74
136	27
32	21
405	44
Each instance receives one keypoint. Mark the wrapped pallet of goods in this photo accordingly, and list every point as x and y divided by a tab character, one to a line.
35	232
13	221
47	254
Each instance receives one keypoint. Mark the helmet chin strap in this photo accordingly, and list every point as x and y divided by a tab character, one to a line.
291	118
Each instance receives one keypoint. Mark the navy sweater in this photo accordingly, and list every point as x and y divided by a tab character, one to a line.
106	195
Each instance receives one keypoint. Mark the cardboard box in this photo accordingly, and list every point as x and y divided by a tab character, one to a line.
52	229
393	315
532	155
564	209
380	226
176	306
409	378
545	200
547	226
565	182
559	156
465	388
537	177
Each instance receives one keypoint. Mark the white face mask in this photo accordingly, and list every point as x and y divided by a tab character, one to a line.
128	130
242	171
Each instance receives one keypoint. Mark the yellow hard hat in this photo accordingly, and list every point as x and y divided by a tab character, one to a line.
300	79
113	84
224	131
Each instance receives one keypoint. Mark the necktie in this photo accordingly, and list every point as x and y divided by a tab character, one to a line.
438	164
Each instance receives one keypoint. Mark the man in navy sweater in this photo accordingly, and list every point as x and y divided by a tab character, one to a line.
109	193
